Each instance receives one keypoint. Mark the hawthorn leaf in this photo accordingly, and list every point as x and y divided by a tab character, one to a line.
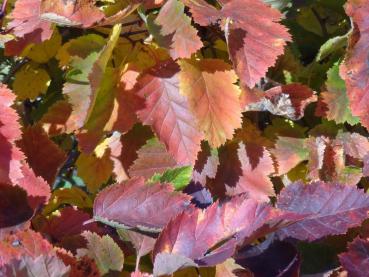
131	142
288	100
213	97
44	265
73	196
23	243
127	102
95	169
336	99
142	243
354	70
206	164
289	152
14	206
208	237
167	264
168	114
70	222
254	181
82	267
179	177
106	253
252	46
356	259
327	217
30	81
54	121
11	157
176	24
153	158
354	144
34	185
81	47
43	52
26	22
42	154
79	13
133	204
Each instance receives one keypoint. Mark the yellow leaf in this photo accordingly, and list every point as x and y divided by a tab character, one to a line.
73	196
43	52
94	171
80	47
30	81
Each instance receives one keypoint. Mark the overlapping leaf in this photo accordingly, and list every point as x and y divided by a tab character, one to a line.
254	36
207	237
354	70
168	113
133	204
327	217
213	97
177	25
356	259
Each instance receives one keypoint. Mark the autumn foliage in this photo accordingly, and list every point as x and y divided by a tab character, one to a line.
184	138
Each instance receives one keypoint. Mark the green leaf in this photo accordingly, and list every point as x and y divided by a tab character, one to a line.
330	46
106	253
336	98
180	177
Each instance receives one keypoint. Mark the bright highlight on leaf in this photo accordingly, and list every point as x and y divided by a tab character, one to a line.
184	138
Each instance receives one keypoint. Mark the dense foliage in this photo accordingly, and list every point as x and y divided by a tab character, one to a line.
184	138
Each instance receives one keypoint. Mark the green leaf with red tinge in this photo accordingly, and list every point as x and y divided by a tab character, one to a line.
106	253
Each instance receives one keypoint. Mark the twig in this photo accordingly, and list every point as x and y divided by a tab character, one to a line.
14	69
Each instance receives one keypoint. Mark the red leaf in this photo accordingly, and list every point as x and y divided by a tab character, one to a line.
84	267
10	157
254	181
127	103
45	265
42	154
56	118
143	244
134	204
70	222
13	168
254	36
132	142
26	22
22	243
289	152
206	165
354	70
82	13
327	217
356	259
168	113
14	206
210	236
152	158
175	23
213	97
35	186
